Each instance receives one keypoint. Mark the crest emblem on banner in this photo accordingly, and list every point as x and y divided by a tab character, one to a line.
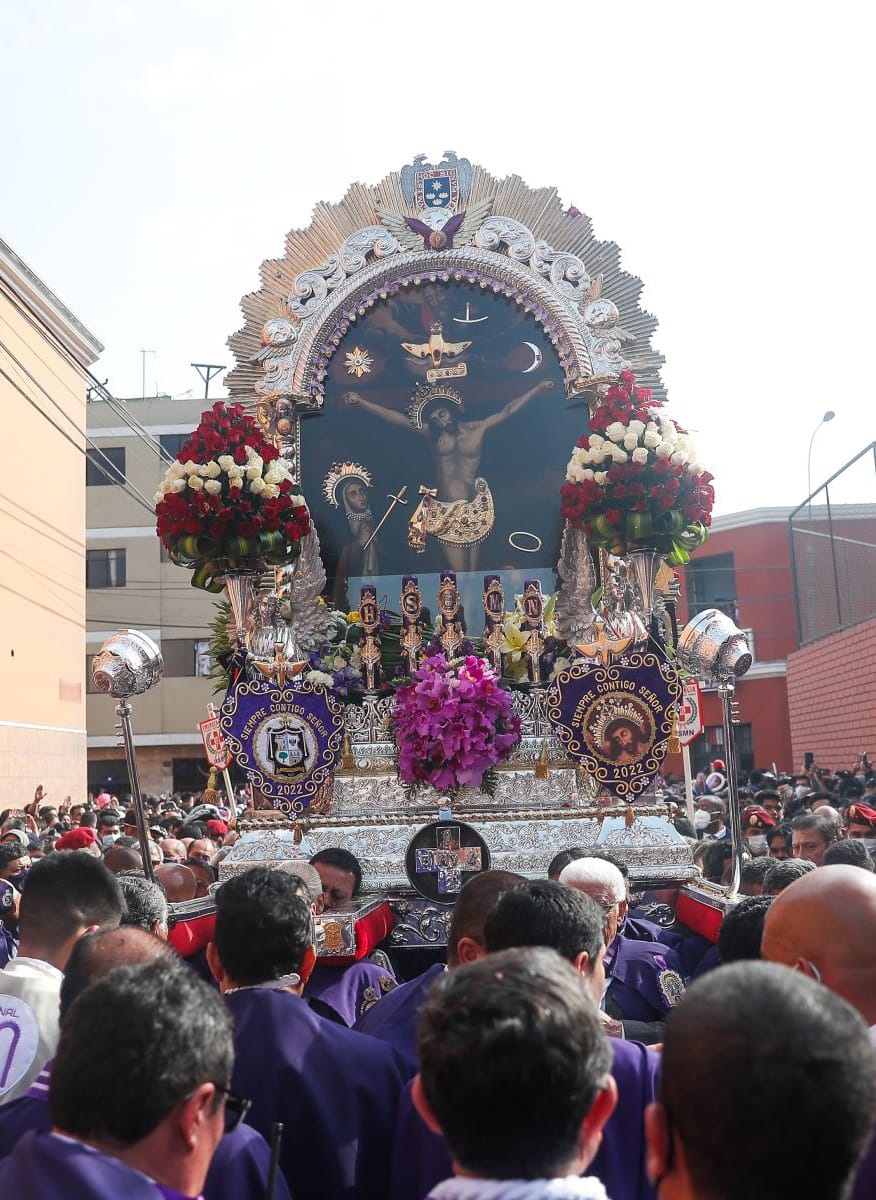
616	720
285	739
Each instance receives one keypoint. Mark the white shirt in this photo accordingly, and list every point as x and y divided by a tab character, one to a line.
30	991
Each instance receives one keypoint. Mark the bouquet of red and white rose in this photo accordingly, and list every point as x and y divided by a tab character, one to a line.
229	501
635	480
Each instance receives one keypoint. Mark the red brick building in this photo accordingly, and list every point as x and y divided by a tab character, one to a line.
820	697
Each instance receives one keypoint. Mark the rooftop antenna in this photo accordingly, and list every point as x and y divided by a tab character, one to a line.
143	354
207	371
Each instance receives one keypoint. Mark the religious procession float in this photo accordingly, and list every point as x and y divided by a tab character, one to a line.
443	510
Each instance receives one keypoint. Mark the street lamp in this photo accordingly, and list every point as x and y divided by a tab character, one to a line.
828	416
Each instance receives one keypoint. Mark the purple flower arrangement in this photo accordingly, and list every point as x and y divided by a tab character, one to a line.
453	723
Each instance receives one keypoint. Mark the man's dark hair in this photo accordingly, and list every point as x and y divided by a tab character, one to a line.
715	858
108	816
544	913
125	842
766	794
145	902
751	873
851	851
828	829
88	819
10	852
479	896
192	829
512	1057
784	872
334	856
263	927
96	954
811	1082
66	890
562	859
742	929
782	831
170	1033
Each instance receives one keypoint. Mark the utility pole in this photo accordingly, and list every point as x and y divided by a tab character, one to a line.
207	371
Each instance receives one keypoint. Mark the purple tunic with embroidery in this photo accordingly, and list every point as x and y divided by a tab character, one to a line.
343	994
238	1171
45	1167
335	1090
645	980
394	1019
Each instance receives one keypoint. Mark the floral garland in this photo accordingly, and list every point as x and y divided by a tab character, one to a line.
453	723
635	479
229	501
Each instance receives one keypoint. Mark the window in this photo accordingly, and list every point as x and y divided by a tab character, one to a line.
105	467
711	583
186	656
710	745
173	442
104	568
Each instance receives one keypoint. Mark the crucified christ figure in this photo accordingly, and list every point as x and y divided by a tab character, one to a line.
461	515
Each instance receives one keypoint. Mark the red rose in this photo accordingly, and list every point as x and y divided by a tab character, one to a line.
240	455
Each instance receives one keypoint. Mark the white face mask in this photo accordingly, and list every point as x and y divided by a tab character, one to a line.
870	843
702	819
757	844
801	791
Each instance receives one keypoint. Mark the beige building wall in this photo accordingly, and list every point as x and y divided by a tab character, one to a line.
157	598
42	540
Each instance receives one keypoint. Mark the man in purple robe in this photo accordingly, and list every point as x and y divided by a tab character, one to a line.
139	1116
240	1165
394	1018
515	1071
768	1089
824	925
335	1091
547	914
645	979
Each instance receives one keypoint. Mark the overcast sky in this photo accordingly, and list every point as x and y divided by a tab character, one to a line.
155	153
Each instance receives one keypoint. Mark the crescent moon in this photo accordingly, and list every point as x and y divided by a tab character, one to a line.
536	358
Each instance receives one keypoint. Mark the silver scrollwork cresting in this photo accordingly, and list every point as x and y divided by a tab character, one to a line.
375	240
311	287
566	271
498	231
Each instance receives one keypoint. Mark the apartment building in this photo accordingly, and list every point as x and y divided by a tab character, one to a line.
44	351
131	583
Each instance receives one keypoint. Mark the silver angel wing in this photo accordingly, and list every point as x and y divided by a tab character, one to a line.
418	350
474	218
574	610
302	585
406	237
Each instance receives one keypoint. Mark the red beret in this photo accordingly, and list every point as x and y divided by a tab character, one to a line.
215	826
862	814
76	839
754	815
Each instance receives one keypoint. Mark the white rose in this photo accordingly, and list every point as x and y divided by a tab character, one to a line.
584	457
631	441
338	662
178	485
253	472
296	501
271	491
272	476
192	468
235	484
158	497
599	477
679	458
257	486
575	473
176	470
235	472
640	455
318	679
213	470
616	431
225	461
213	486
604	452
695	468
596	441
652	427
587	474
620	456
651	439
664	450
195	483
636	427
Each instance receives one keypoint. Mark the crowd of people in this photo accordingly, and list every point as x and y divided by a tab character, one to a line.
570	1044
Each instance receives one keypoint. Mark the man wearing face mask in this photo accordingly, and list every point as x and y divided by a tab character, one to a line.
756	824
709	818
861	825
108	828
